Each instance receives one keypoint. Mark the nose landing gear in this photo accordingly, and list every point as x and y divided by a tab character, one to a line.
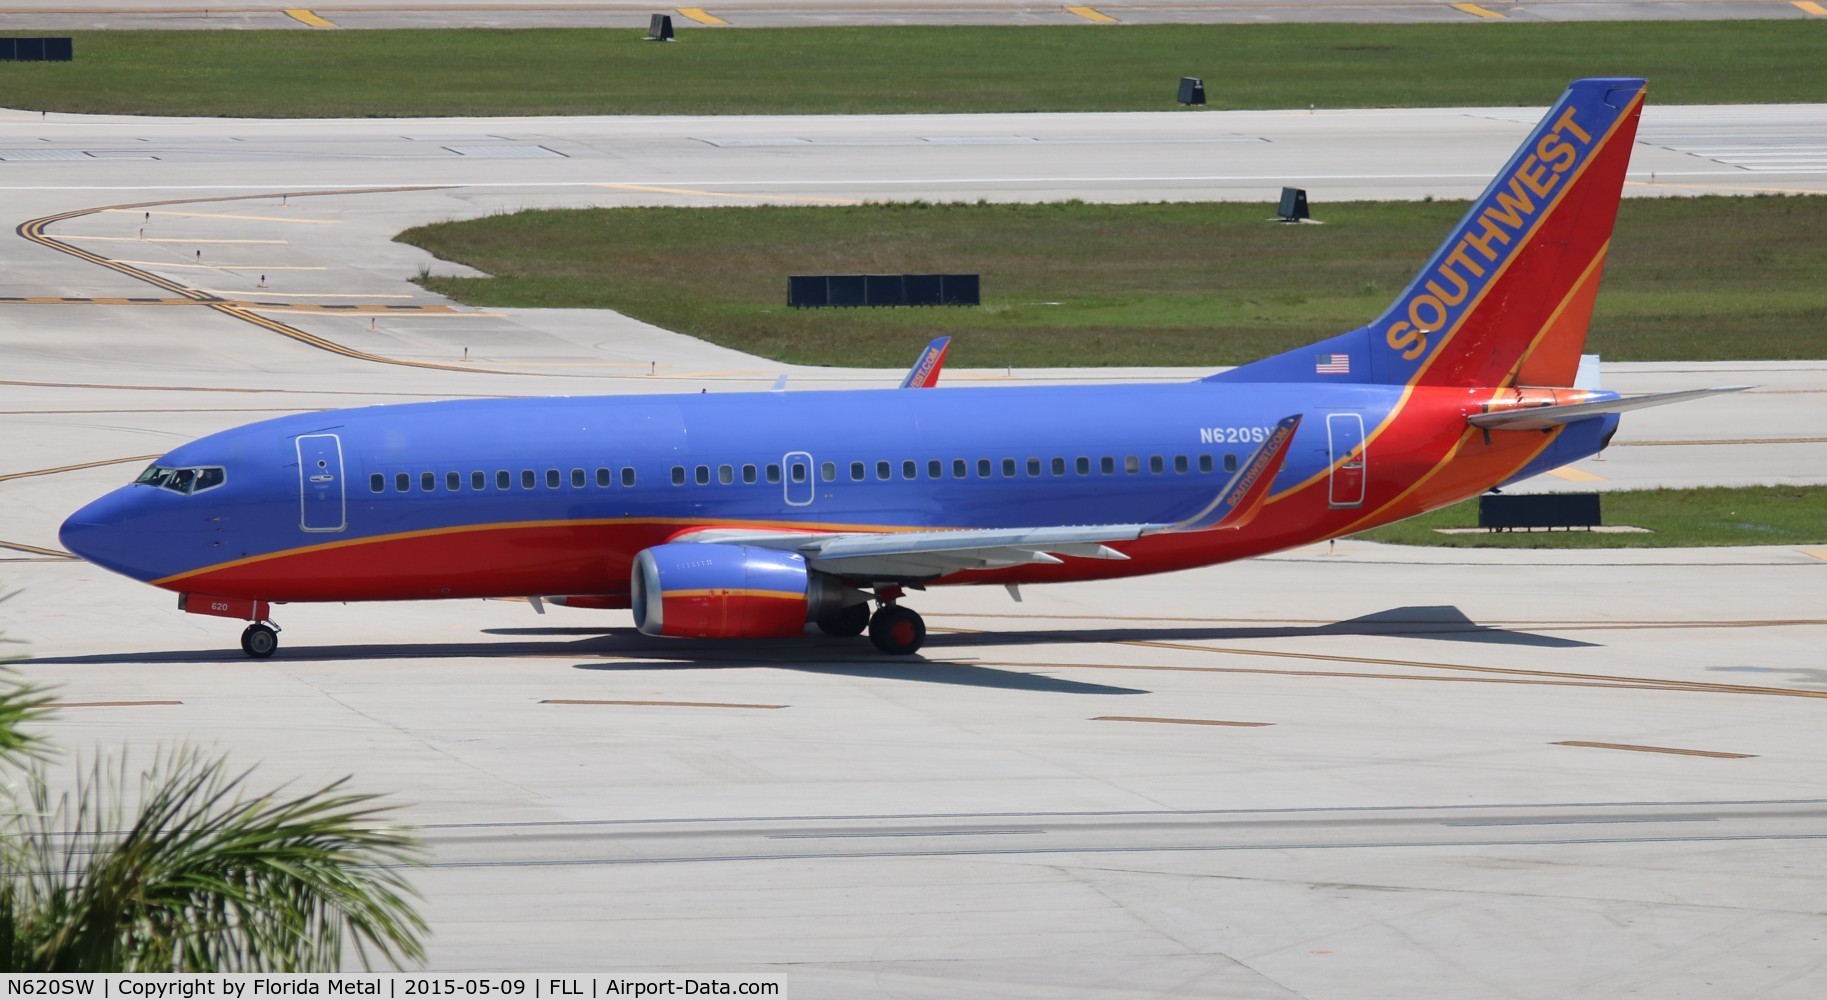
259	640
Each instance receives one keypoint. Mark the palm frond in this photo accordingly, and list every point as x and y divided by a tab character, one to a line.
203	876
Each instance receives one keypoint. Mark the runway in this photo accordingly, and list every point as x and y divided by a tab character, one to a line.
75	15
1350	771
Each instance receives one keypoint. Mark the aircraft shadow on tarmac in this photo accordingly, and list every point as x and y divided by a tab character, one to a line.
621	649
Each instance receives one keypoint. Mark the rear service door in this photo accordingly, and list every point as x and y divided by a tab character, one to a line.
320	483
1345	439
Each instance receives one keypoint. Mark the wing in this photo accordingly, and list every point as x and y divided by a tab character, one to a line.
1537	418
923	555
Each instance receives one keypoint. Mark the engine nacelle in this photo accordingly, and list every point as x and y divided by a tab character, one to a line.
716	591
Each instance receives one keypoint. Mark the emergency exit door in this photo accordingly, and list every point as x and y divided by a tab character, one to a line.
1345	439
320	483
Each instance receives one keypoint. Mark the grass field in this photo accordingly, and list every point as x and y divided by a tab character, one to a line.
294	74
1755	515
1073	284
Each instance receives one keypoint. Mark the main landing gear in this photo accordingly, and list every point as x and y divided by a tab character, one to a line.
846	622
896	630
259	640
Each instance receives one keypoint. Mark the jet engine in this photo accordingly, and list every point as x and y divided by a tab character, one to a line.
718	591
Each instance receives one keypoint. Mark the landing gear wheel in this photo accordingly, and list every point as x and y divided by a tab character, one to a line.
897	631
845	621
259	640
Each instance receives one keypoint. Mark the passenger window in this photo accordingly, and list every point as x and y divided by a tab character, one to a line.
1180	465
959	469
577	479
1156	464
1008	468
748	475
1205	463
827	471
1059	466
377	483
678	475
627	475
910	469
983	468
935	469
453	481
551	479
428	481
1230	463
882	470
602	477
1083	466
402	482
856	472
528	479
726	474
478	480
504	480
773	473
1033	466
1132	464
701	475
1107	465
799	472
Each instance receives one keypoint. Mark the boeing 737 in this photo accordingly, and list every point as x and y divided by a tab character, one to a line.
745	515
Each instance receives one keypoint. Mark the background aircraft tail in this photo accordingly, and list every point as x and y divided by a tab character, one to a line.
1507	299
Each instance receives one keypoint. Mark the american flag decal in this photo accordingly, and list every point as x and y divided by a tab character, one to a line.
1332	364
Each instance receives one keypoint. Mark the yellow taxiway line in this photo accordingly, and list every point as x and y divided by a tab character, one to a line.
154	239
1475	10
309	17
1644	749
1092	14
659	704
1810	7
1179	722
1573	475
702	16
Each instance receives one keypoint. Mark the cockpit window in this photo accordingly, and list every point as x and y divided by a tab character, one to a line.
185	481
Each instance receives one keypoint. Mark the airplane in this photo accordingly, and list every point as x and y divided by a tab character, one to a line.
749	515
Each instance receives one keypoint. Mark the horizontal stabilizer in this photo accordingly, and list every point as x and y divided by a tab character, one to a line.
1543	417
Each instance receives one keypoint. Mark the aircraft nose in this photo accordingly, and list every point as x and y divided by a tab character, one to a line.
102	533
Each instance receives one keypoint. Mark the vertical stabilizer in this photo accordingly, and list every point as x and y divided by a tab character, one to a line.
1507	298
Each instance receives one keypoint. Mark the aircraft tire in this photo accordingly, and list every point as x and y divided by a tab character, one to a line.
846	622
259	641
897	631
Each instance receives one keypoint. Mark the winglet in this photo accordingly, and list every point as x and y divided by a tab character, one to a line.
925	371
1241	498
